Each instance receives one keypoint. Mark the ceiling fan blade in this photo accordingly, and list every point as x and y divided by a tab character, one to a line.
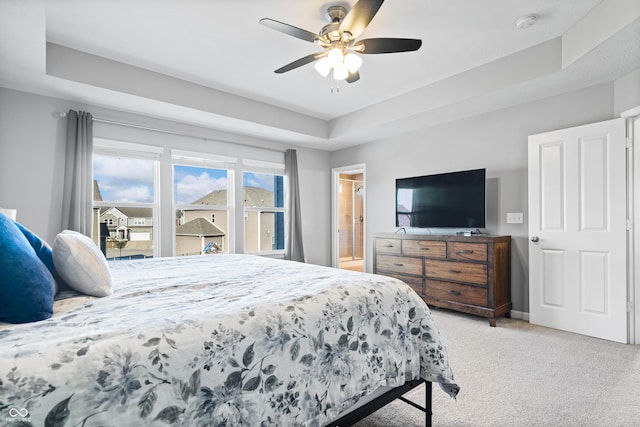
290	30
299	62
387	45
353	77
360	16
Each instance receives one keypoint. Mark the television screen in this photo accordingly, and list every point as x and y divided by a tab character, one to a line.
452	200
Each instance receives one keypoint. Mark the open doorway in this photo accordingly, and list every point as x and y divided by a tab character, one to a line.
349	218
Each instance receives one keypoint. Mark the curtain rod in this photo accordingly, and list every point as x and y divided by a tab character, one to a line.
170	132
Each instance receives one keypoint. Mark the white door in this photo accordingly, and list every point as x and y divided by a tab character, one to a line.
578	231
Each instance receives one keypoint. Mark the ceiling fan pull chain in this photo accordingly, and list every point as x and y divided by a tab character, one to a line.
334	84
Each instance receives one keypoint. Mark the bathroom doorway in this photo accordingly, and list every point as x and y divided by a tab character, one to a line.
349	218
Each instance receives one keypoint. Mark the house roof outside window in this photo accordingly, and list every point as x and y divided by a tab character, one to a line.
200	227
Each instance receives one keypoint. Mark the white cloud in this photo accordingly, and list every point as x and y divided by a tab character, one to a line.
260	180
131	180
134	194
192	187
124	169
124	179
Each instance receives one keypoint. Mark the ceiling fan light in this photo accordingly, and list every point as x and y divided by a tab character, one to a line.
340	72
353	62
323	66
335	56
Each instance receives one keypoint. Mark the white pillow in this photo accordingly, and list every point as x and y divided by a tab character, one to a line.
80	263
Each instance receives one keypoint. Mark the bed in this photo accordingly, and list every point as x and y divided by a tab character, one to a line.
220	340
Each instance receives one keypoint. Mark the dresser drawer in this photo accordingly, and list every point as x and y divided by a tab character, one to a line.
455	292
413	281
426	248
399	264
467	251
457	271
467	274
388	246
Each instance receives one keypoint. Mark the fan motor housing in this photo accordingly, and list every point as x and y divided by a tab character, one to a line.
332	31
336	13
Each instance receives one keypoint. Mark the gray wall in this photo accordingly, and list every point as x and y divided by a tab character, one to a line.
496	141
32	149
32	158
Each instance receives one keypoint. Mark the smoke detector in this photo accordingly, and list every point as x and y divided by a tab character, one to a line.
526	21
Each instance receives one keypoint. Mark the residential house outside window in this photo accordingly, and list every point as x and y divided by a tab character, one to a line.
203	203
264	211
217	204
125	199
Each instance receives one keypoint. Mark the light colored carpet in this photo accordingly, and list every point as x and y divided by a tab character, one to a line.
519	374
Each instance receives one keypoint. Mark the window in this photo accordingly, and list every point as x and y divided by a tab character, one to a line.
125	199
263	200
203	203
210	203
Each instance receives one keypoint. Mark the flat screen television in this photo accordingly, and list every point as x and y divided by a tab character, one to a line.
445	200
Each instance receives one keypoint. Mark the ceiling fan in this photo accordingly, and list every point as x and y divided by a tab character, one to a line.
338	39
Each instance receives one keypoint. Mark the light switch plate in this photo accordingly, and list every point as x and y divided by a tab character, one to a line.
514	218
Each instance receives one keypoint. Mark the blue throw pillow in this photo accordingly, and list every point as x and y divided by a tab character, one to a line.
43	250
26	284
45	253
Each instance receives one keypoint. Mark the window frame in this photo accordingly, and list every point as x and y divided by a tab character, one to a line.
267	168
116	148
208	161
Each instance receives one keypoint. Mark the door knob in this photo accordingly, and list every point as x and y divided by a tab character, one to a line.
534	239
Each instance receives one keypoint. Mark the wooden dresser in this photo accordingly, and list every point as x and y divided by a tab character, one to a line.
470	274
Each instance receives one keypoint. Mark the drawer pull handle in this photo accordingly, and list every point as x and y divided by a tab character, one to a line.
465	252
388	246
399	264
424	249
455	271
452	292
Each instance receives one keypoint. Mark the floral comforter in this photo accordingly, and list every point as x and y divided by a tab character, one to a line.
220	340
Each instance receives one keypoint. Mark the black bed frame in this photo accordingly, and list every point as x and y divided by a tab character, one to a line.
395	393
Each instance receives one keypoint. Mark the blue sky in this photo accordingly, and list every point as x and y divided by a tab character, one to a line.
124	179
260	180
191	183
131	180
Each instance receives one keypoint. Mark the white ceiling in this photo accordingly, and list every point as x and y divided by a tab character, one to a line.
210	63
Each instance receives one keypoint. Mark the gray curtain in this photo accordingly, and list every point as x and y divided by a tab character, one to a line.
77	196
293	245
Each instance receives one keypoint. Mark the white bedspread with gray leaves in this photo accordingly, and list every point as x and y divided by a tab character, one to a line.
219	340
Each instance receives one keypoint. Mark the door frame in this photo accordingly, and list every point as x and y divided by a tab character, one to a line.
335	224
633	186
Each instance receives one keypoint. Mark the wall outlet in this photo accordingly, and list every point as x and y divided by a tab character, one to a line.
514	218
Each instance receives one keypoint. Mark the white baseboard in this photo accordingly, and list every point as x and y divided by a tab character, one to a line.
521	315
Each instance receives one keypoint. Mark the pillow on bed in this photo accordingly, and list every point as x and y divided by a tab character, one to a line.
26	284
45	253
42	248
80	264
